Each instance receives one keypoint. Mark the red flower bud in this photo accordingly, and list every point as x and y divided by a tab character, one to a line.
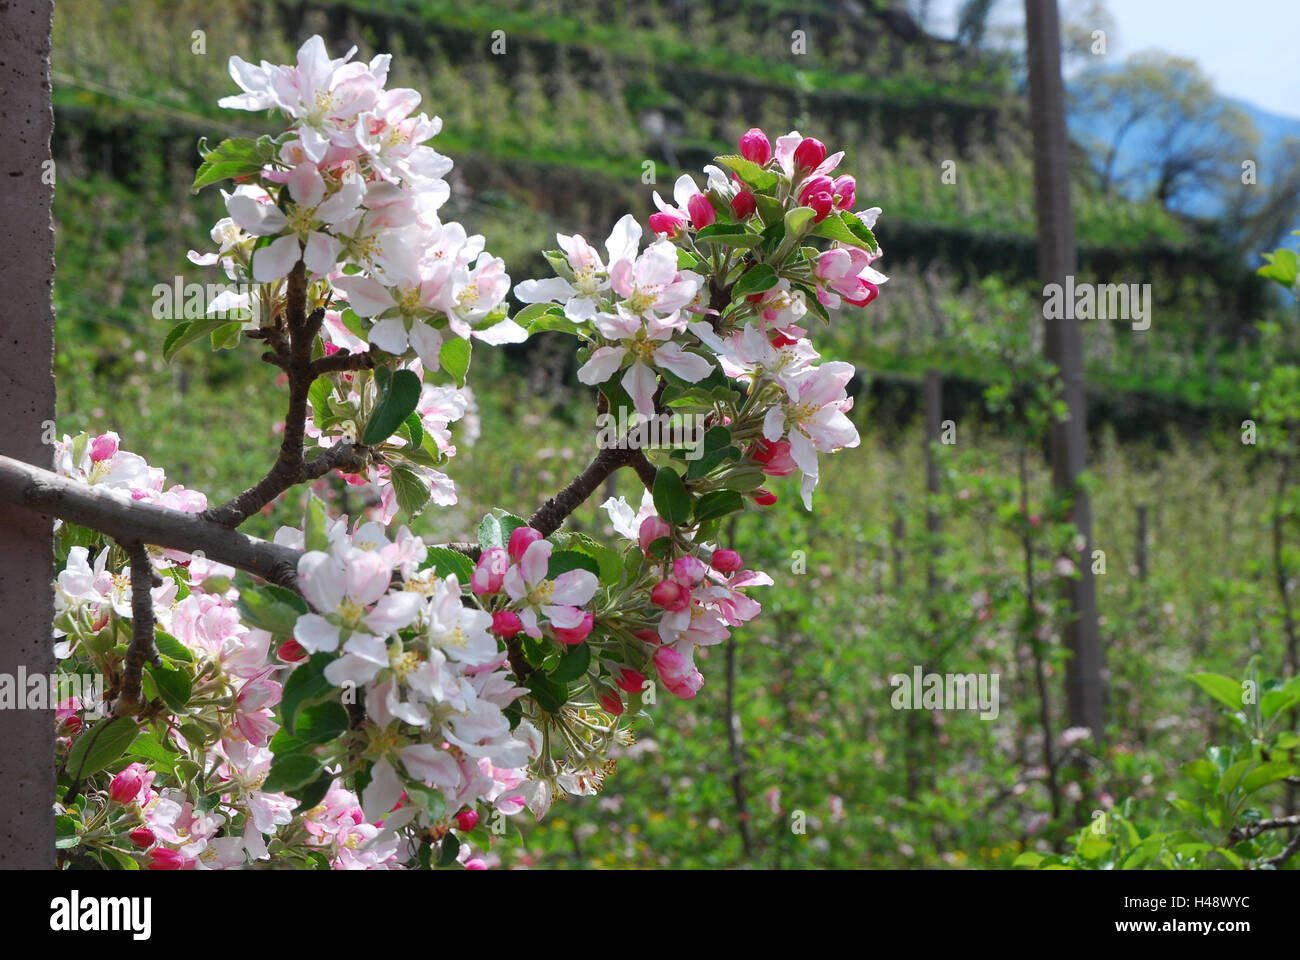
633	681
611	701
809	154
670	595
846	192
506	623
291	651
165	858
665	223
764	498
727	561
575	635
142	837
701	211
743	205
467	820
521	538
755	147
126	785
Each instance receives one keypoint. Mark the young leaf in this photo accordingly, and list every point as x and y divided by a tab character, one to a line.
672	502
397	400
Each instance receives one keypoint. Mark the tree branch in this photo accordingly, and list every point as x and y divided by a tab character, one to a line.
128	520
1254	828
553	512
129	701
291	351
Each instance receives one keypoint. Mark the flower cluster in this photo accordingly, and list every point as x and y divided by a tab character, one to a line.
408	697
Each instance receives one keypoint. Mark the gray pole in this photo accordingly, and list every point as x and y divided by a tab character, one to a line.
26	402
1085	694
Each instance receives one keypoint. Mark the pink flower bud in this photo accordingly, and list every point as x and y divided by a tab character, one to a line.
165	858
845	190
743	205
521	538
701	211
506	623
611	701
647	635
755	147
633	681
822	203
490	573
476	863
291	651
575	635
142	837
467	820
689	571
809	154
814	186
774	457
103	447
678	674
764	498
670	595
126	785
727	561
652	528
666	224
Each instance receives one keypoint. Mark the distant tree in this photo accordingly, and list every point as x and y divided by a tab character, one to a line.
1197	137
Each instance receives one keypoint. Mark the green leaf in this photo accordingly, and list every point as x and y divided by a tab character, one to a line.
1265	774
454	359
318	395
292	770
860	230
100	745
306	685
314	523
834	228
316	724
446	562
397	400
1224	689
313	794
259	609
672	502
411	488
728	235
174	686
448	851
550	696
235	157
573	664
749	171
169	646
226	336
562	561
495	528
719	503
186	332
608	560
758	279
796	221
1028	859
1283	267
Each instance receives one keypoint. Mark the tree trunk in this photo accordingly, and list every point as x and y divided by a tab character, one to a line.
1085	694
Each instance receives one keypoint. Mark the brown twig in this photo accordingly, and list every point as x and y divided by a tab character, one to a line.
291	339
129	701
548	517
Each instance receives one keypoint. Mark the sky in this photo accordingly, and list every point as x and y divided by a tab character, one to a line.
1248	48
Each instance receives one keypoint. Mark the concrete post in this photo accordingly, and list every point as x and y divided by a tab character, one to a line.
26	406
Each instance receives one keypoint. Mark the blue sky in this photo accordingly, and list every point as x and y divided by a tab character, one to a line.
1248	48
